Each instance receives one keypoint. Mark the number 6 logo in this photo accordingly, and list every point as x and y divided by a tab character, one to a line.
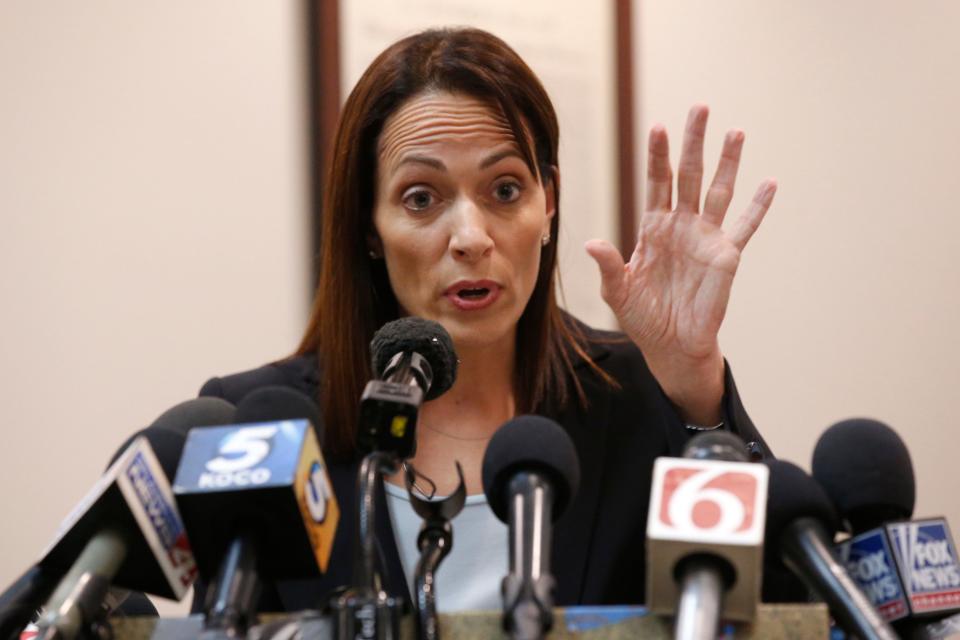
713	500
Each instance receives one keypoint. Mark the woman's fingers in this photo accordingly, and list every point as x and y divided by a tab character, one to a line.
690	169
721	189
611	269
659	173
750	220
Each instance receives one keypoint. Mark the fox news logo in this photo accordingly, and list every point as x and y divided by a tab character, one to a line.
164	520
715	500
928	563
869	560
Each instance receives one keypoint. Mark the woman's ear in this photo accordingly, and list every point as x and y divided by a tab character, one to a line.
551	187
374	246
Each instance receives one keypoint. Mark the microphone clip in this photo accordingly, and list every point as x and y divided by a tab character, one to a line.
434	542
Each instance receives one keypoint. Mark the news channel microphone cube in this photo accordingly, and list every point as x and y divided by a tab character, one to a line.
927	560
267	478
869	560
706	507
135	498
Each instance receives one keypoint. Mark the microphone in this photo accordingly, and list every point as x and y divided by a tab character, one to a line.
126	531
21	601
906	569
865	468
531	472
414	360
801	523
705	535
257	503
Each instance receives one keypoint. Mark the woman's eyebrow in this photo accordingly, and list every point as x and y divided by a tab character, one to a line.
418	159
489	161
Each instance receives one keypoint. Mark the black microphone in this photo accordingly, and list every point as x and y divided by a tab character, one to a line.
703	568
865	468
257	503
105	506
531	472
801	524
127	531
22	600
908	570
414	360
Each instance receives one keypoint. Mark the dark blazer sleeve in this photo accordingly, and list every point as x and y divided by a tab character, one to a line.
735	420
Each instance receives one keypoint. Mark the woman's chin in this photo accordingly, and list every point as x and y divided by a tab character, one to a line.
473	336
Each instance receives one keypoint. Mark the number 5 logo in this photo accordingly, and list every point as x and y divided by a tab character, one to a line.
242	449
717	500
318	492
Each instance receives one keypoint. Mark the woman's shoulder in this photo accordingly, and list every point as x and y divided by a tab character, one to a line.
297	372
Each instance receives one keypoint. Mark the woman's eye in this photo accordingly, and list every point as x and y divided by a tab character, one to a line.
418	200
507	191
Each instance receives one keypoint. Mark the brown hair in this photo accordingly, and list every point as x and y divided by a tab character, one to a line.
345	316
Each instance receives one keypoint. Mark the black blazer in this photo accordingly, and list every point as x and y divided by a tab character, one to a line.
598	546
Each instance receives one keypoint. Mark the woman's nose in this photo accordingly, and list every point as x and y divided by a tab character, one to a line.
469	237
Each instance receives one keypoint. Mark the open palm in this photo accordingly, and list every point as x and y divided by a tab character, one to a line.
671	297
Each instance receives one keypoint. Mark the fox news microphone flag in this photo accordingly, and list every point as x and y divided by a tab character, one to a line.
906	569
706	507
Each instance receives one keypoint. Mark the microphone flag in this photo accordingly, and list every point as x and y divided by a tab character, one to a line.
706	506
135	495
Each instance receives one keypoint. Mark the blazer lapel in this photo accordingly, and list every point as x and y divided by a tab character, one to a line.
573	533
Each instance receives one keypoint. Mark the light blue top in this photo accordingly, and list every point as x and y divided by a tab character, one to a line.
469	577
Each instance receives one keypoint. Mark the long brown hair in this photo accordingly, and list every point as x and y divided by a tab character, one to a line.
354	297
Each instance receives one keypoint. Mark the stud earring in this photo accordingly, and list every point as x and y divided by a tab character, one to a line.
545	239
373	254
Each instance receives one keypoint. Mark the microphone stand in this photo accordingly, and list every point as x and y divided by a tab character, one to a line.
233	594
365	611
701	588
435	542
528	588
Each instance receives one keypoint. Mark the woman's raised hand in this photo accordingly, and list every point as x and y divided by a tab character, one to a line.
671	297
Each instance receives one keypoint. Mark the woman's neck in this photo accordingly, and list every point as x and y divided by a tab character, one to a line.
458	424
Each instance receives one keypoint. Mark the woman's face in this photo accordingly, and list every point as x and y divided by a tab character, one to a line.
458	216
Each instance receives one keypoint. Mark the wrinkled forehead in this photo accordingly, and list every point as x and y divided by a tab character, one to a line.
435	118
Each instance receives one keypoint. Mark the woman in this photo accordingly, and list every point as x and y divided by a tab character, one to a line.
442	202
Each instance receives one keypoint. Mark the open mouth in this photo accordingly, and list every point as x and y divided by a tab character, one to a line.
473	294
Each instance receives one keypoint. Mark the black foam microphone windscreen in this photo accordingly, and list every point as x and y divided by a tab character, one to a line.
530	443
198	412
417	335
275	402
792	495
865	468
179	419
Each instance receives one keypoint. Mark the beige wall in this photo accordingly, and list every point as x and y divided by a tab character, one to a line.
153	201
848	299
153	205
